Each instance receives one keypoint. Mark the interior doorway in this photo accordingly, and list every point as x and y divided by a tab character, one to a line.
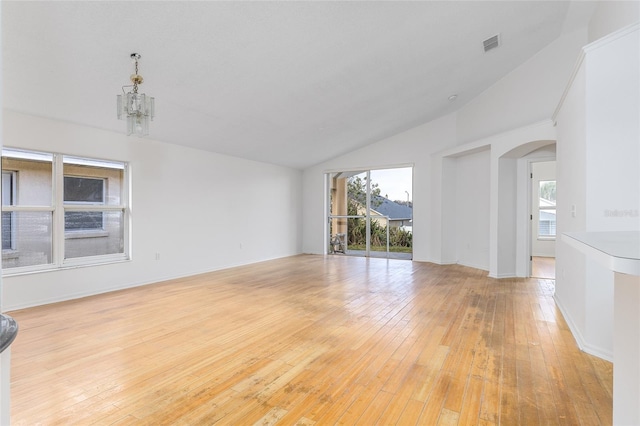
543	219
543	267
371	213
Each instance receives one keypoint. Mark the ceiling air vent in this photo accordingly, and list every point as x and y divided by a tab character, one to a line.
491	42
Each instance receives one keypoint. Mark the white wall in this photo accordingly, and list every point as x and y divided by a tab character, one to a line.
528	94
612	116
199	210
472	189
507	220
444	245
598	157
612	163
610	16
571	176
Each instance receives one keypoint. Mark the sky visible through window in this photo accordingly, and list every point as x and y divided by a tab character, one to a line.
394	182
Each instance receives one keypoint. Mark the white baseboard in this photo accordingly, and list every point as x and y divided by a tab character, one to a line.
474	266
503	275
580	340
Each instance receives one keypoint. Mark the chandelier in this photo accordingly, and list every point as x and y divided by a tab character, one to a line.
137	108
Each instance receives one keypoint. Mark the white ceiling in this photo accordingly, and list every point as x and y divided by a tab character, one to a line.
290	83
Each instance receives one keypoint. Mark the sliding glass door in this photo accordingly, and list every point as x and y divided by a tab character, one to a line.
348	220
370	213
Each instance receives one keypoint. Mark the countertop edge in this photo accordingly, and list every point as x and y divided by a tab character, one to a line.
623	265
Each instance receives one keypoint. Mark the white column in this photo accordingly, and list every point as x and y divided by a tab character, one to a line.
626	350
5	384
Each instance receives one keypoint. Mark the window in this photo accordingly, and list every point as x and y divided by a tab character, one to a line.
84	222
547	209
83	191
8	197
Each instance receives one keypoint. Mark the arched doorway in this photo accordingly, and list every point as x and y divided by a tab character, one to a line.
516	232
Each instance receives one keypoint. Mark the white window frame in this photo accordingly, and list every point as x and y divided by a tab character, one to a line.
12	190
58	208
16	208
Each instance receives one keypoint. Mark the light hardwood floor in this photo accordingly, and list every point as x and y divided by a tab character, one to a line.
543	267
310	340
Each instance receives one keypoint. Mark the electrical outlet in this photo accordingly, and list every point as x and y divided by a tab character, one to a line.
157	256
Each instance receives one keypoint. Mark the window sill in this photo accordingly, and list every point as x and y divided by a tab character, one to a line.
97	233
38	269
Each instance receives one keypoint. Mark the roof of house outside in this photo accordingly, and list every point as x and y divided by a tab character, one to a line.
389	208
548	215
547	203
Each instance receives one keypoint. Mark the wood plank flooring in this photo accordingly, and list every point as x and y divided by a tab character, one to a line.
310	340
543	267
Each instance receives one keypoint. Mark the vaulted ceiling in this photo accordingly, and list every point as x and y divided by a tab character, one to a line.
290	83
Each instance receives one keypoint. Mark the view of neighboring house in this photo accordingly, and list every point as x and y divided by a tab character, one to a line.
90	200
400	215
547	223
384	211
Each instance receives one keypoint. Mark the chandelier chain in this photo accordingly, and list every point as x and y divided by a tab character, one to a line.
135	82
